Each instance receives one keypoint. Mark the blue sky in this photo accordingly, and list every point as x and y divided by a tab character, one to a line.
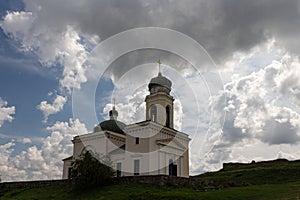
24	83
44	46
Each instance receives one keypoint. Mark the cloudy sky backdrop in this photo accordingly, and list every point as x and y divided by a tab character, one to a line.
44	46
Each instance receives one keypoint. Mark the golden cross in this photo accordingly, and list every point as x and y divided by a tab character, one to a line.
114	99
159	65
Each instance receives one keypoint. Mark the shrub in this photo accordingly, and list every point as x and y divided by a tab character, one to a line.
91	171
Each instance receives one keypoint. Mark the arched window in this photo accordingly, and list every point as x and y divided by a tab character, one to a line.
153	113
168	116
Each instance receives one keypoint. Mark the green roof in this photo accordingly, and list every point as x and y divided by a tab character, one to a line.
113	125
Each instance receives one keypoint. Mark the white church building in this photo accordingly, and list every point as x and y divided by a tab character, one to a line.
150	147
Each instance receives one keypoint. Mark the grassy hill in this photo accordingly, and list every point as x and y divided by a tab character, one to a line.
266	172
278	179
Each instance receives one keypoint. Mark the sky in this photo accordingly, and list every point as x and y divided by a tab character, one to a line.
234	66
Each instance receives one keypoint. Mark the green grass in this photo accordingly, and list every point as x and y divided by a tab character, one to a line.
143	191
267	180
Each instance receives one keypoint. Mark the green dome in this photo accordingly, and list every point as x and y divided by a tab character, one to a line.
112	125
160	81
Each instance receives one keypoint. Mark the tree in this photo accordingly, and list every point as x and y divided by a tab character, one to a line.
91	171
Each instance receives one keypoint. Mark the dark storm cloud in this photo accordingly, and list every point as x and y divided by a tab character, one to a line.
221	26
280	133
139	57
247	23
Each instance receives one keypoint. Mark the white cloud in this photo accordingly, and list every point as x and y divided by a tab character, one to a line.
261	103
20	139
5	150
262	112
17	24
131	109
43	162
178	114
26	140
54	46
6	112
55	107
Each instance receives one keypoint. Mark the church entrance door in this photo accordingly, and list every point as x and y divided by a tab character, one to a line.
172	168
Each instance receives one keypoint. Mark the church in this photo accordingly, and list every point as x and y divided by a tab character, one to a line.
149	147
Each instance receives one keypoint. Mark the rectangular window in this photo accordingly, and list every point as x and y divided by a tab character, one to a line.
136	169
137	140
119	169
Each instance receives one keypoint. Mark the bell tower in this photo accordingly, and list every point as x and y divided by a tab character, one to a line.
159	103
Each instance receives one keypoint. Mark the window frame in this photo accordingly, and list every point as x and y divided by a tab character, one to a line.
137	140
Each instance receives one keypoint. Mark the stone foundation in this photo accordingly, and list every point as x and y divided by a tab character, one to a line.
34	184
155	180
